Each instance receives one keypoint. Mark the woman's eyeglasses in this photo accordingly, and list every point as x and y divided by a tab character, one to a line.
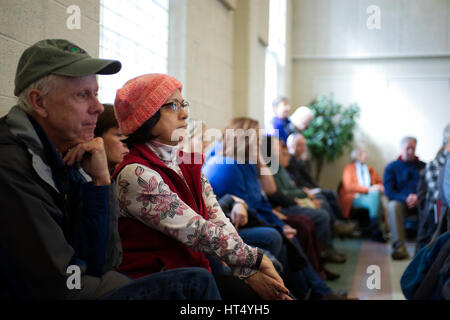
177	106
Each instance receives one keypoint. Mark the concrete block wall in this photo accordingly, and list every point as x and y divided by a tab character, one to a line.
214	50
24	22
251	34
209	61
201	56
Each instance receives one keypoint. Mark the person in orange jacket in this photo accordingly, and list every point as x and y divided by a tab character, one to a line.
361	187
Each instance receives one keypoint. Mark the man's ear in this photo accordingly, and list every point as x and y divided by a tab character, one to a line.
37	101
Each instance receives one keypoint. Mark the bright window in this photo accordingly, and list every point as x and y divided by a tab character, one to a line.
275	56
135	32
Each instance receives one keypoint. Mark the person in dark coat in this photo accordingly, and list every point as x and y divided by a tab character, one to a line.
400	183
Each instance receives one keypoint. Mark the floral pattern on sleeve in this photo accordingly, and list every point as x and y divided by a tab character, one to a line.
145	196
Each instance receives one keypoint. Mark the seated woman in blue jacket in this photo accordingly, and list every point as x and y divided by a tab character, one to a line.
236	170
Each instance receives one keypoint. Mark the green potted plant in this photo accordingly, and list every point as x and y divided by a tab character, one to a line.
331	130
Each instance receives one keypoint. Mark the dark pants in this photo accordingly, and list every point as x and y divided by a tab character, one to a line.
307	236
305	280
332	200
176	284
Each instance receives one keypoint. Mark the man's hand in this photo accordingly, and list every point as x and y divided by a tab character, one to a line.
411	200
317	203
289	232
280	215
239	215
376	187
92	157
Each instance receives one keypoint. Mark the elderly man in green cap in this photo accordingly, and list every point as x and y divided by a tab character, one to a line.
58	239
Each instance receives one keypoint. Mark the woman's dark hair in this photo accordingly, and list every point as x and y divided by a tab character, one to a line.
144	132
106	120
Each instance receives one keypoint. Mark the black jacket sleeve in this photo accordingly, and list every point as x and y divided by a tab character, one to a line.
280	199
32	242
226	203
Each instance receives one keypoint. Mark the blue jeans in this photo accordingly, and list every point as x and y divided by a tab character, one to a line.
327	207
266	238
175	284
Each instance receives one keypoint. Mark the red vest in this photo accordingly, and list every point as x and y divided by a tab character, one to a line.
145	250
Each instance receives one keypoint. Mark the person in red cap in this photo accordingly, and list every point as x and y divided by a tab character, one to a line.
170	217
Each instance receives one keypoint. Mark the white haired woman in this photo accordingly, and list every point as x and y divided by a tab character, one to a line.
361	187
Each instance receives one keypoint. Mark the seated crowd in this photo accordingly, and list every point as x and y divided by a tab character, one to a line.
132	200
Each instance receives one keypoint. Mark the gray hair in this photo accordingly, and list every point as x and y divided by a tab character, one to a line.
406	140
292	138
446	133
44	85
278	100
354	154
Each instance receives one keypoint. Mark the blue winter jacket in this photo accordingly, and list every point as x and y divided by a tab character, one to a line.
401	178
227	176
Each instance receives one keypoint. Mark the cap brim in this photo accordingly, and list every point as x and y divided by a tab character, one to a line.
88	66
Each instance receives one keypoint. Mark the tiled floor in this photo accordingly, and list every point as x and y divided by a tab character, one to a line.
358	276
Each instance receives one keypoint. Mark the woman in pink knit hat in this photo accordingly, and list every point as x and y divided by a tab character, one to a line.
170	217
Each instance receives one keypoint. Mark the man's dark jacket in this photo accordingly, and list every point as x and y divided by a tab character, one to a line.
51	218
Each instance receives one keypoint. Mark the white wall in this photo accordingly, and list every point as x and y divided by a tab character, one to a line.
201	56
24	22
251	36
399	74
215	50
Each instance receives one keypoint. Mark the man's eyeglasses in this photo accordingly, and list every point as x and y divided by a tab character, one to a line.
177	106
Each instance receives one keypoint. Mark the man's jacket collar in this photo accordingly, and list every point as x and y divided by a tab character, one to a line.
20	125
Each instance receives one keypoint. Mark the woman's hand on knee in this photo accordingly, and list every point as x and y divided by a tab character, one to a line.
267	287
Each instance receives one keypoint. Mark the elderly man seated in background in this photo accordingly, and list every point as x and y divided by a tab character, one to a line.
400	182
299	171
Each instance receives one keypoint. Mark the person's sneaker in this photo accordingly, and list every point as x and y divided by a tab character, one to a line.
330	275
333	256
342	229
356	234
399	251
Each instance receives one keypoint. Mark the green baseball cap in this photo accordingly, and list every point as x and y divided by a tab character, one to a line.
61	57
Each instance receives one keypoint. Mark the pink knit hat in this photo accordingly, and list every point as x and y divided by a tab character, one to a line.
140	98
